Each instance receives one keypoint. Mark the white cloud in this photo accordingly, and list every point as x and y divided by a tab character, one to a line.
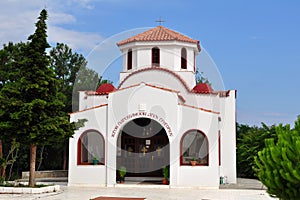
18	22
84	42
56	18
85	3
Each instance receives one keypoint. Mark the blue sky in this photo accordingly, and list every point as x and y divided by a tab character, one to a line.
254	44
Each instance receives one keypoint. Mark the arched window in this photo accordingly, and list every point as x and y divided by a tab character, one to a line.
90	148
194	147
183	58
155	57
129	59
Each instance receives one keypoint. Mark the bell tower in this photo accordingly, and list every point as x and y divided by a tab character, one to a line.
160	47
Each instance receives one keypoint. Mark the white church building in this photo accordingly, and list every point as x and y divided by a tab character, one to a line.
156	117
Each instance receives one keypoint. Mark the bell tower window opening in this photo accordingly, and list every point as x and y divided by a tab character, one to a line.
183	59
129	59
155	57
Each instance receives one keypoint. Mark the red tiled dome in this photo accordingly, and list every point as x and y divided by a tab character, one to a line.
203	88
105	88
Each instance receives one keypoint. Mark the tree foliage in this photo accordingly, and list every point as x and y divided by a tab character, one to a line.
66	65
250	140
33	101
278	163
200	78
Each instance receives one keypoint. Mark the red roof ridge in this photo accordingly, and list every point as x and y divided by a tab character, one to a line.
159	33
99	106
203	109
162	88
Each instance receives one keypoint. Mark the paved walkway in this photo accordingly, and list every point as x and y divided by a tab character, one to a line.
230	192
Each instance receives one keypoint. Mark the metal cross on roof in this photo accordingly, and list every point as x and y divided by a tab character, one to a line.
160	21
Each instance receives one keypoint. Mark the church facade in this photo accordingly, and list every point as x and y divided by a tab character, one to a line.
156	118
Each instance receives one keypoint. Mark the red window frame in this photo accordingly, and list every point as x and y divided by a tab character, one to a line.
79	148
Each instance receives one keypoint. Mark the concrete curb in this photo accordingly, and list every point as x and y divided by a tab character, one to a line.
27	190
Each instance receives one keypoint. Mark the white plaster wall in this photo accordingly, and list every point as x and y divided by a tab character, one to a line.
188	76
206	101
90	101
143	57
170	56
87	174
197	176
155	77
228	137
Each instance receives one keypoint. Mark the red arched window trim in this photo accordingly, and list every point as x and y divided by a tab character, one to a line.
181	143
79	148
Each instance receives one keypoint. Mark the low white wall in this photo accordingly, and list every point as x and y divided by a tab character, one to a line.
198	176
93	175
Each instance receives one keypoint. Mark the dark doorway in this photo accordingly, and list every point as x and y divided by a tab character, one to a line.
144	149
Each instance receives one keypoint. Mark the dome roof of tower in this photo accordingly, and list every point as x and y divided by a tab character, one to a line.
203	88
105	88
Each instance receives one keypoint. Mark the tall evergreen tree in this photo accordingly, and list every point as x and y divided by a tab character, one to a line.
33	102
278	163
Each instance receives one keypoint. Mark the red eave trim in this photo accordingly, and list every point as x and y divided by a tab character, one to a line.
102	105
93	93
202	109
162	88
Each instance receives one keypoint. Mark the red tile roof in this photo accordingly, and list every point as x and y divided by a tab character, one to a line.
105	88
203	88
159	33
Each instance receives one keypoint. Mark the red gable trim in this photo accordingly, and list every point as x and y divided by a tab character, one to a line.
202	109
102	105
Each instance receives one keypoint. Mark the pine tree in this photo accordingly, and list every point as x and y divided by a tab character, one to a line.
34	104
278	163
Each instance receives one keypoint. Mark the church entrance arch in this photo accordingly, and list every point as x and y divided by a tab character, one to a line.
143	148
